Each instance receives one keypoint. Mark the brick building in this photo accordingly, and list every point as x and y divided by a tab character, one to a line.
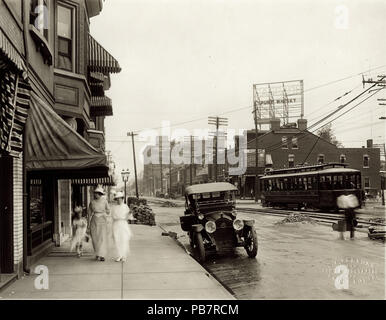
294	145
54	75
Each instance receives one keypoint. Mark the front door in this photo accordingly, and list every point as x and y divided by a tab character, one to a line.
6	214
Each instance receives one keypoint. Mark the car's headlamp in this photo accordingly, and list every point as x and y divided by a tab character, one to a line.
201	216
210	227
238	224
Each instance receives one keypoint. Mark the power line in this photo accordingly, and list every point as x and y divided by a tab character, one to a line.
250	106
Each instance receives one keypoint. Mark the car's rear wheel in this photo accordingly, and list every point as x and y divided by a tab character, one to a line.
199	249
251	242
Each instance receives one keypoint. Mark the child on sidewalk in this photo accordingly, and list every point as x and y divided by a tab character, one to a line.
79	225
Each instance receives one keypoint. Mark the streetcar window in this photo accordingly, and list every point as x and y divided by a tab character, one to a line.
275	185
340	182
314	183
285	184
324	183
334	182
296	185
358	179
309	183
301	184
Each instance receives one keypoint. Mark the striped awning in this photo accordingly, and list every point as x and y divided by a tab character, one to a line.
99	60
108	181
14	105
101	106
11	54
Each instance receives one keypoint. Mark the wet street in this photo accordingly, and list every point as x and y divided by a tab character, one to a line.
294	261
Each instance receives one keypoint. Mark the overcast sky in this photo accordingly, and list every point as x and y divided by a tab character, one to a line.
187	59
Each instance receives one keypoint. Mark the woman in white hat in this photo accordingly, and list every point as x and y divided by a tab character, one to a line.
97	212
121	230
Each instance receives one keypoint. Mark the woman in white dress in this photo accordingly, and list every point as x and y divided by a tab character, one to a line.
121	230
98	212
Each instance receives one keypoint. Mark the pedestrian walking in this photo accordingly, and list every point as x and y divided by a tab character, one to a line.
79	224
98	211
121	230
349	203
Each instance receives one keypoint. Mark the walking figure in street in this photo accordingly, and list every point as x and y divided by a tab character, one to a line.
98	211
121	230
349	203
79	224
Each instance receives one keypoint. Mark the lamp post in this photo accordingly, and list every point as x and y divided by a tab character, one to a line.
125	177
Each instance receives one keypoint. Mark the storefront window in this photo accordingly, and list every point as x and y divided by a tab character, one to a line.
40	223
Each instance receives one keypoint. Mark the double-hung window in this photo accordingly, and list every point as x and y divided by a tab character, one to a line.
294	143
366	161
284	142
291	160
66	35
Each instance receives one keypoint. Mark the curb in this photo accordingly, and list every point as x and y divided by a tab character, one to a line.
207	272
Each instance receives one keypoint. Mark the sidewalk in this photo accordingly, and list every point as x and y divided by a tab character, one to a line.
157	269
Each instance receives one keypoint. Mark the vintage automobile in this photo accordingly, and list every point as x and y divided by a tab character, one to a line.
211	221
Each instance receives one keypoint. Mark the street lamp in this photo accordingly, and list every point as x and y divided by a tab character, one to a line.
125	177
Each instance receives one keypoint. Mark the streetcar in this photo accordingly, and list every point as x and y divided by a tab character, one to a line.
316	186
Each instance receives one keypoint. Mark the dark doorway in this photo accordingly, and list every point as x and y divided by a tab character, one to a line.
6	214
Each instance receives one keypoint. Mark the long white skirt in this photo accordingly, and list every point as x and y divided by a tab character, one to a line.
122	235
98	228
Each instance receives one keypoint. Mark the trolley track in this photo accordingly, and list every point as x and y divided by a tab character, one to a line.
319	217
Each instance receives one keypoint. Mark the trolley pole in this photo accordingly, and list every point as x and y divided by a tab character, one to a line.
135	164
161	173
216	121
191	159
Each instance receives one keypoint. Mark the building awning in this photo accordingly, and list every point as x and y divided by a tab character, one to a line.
107	181
11	53
54	147
99	60
101	106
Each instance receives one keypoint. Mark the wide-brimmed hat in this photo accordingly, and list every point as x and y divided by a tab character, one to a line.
99	190
78	209
118	195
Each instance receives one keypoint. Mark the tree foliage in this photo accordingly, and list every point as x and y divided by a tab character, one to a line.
327	133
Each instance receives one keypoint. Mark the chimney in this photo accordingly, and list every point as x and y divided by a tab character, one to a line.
370	143
302	124
275	124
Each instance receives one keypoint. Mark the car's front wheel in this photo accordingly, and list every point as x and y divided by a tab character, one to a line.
251	242
199	249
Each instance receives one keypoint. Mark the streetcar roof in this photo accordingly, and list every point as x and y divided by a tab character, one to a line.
310	173
210	187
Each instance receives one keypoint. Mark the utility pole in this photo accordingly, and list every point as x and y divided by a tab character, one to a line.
191	159
257	182
132	134
170	168
216	121
161	173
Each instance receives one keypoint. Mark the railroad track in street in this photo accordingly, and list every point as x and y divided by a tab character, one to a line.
319	217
